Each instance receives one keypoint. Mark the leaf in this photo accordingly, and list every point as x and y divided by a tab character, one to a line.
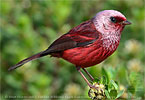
96	79
113	94
107	94
103	80
120	94
110	86
114	84
131	89
105	74
132	78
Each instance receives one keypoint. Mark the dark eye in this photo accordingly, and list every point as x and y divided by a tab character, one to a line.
113	19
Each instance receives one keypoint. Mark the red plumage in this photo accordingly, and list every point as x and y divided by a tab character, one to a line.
88	43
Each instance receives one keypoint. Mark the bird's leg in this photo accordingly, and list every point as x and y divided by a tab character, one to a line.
78	68
88	74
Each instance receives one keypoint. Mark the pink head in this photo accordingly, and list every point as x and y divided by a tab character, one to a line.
110	21
110	24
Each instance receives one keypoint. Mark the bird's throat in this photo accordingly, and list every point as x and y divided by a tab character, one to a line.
110	41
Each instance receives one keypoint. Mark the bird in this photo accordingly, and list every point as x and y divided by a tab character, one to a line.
87	44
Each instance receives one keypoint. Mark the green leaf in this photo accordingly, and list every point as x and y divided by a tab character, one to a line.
114	84
110	86
96	79
120	94
113	94
132	78
104	72
103	80
107	94
131	89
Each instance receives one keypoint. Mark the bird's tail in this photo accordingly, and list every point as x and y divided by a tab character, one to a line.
38	55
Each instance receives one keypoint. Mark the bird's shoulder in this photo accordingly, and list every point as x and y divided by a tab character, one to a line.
85	30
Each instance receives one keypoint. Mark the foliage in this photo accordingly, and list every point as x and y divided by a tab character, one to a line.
30	26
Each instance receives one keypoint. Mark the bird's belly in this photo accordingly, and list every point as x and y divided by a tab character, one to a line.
86	56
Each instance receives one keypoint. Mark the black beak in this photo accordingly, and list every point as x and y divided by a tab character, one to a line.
125	22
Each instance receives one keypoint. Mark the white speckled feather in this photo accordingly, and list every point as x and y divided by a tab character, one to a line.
111	34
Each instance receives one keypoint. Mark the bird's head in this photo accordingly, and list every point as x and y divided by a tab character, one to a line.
110	21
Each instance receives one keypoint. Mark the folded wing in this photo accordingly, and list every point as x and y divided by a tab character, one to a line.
81	35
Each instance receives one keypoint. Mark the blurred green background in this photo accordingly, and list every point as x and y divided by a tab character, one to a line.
30	26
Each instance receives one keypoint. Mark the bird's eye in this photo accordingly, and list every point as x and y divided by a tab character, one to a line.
113	19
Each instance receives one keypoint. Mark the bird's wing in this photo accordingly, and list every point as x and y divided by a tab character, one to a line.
81	35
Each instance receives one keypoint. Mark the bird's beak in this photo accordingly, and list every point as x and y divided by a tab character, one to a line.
125	22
